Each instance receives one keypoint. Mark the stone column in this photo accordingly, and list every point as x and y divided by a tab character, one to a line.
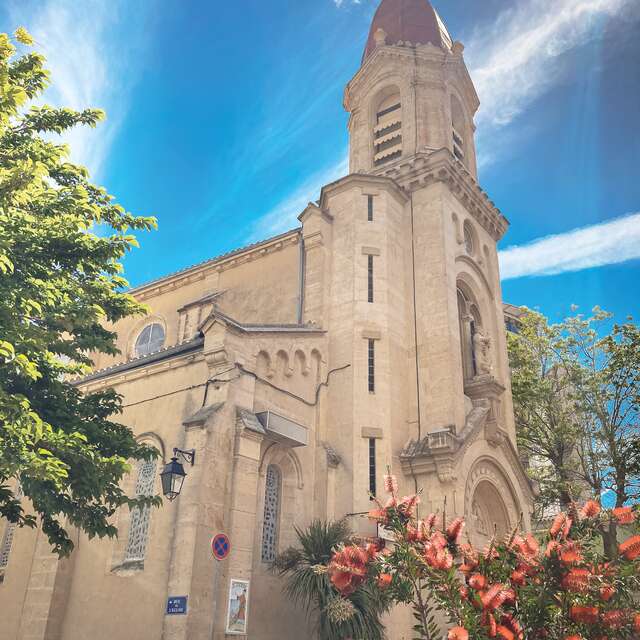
187	508
241	525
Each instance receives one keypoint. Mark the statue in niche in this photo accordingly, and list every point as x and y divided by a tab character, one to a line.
482	353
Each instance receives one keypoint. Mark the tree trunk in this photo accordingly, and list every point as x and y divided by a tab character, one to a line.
610	540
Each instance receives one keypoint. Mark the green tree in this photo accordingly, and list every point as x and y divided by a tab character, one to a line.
59	284
308	585
577	404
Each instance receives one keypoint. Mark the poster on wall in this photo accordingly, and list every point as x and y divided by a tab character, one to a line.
238	606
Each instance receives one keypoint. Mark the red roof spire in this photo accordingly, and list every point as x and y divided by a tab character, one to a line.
414	21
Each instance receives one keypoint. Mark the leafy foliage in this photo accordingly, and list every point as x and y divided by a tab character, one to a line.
308	585
576	397
518	588
59	284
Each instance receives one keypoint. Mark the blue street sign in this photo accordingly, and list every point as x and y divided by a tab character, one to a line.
177	605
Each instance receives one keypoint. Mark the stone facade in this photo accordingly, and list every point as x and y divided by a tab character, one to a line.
372	335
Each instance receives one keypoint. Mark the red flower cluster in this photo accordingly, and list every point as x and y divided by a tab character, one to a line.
506	590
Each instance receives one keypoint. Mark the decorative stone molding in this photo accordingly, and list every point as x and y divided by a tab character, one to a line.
333	457
486	387
371	432
422	169
370	251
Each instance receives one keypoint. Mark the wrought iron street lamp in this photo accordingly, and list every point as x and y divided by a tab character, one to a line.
173	474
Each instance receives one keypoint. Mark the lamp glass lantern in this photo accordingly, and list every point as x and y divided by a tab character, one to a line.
173	474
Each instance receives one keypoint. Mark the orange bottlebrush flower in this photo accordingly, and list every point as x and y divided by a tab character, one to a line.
584	615
438	540
412	533
590	509
574	636
510	596
439	558
408	504
518	578
630	548
614	619
607	592
624	515
504	633
390	484
454	530
577	580
531	546
378	514
561	526
570	555
636	622
553	546
458	633
430	521
477	581
371	551
493	597
464	592
384	580
513	625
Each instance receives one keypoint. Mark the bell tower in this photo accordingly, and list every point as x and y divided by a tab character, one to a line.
412	93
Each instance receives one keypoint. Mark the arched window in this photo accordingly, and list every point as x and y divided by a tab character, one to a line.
139	525
151	339
387	130
469	243
272	492
7	540
458	129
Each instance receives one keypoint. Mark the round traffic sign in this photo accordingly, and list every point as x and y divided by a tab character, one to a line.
221	546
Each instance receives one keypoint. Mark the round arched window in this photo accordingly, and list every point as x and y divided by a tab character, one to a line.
468	238
151	339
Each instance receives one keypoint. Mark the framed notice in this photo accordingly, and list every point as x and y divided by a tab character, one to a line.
238	606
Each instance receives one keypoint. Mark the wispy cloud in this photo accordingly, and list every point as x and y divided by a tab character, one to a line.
89	66
284	215
610	242
517	59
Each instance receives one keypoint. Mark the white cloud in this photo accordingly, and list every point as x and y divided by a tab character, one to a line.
89	67
610	242
284	215
517	59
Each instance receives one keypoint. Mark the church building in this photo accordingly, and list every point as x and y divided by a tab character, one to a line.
297	369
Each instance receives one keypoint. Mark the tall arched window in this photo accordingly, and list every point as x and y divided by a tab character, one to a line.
139	525
387	130
6	542
151	339
458	130
272	493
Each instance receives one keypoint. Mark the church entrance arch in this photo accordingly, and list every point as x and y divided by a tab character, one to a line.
490	504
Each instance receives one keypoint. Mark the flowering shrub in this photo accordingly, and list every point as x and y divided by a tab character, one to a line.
519	588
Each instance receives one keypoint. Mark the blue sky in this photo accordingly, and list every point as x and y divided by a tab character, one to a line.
225	119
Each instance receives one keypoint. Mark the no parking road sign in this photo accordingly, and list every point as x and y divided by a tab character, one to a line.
221	546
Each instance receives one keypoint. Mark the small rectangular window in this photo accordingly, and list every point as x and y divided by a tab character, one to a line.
372	467
370	278
372	365
370	208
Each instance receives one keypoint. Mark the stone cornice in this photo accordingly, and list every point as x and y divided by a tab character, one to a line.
422	169
221	263
362	180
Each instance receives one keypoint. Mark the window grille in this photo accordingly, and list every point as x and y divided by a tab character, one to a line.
7	539
371	365
271	513
139	526
150	340
370	208
370	278
372	466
